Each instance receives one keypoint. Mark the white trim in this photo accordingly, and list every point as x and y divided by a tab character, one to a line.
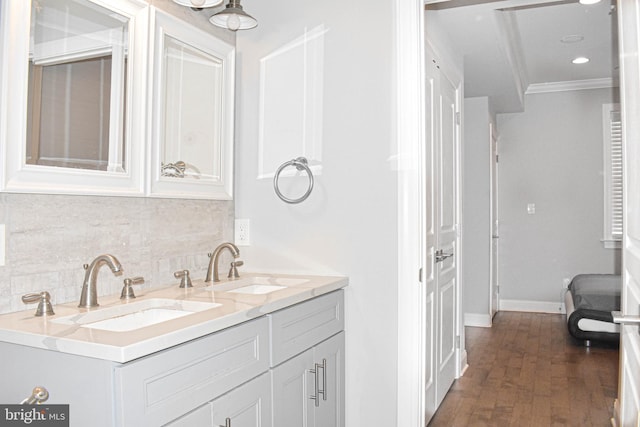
532	306
410	134
477	320
571	85
611	244
512	45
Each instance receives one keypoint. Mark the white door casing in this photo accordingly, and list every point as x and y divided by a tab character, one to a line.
627	411
495	233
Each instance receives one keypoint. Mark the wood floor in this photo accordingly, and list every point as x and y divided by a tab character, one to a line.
527	371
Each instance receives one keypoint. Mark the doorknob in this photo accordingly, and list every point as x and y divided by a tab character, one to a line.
618	317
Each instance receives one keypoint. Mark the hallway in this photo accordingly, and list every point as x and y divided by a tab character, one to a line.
527	371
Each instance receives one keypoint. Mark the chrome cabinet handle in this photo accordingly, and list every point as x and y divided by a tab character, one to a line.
441	256
324	378
316	396
618	317
227	422
319	391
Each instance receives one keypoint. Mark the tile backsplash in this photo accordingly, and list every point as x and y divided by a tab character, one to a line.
50	237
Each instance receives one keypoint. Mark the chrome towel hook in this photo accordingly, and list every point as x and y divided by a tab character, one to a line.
302	165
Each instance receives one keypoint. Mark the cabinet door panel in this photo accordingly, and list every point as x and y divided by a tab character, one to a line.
201	417
330	413
161	387
302	326
292	384
247	406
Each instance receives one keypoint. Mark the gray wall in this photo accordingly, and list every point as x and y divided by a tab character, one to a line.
476	206
551	155
348	225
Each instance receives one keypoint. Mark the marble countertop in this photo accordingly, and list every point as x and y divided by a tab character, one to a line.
64	331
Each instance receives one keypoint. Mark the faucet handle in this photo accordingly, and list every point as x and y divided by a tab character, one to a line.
44	303
127	290
184	275
233	270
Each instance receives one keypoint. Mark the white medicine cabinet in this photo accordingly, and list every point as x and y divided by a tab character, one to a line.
191	149
73	93
113	97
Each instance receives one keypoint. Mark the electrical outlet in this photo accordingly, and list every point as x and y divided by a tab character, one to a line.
242	235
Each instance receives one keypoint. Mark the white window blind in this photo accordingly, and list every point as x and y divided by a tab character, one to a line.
613	173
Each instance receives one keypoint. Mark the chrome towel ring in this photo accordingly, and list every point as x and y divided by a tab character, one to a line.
301	164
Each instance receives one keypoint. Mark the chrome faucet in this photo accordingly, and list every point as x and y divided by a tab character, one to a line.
89	296
213	262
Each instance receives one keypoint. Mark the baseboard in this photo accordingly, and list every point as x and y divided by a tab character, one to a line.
463	363
532	306
477	320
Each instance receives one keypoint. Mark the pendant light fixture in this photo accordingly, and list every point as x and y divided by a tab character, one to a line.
233	17
198	4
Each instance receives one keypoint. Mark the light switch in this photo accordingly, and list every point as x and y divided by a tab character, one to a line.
531	208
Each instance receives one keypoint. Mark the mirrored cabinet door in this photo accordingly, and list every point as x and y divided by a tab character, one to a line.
192	125
73	93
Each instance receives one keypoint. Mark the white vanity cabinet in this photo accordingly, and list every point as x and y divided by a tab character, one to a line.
307	357
262	372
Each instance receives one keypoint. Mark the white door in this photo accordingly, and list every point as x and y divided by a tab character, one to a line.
430	236
495	235
446	228
627	411
441	252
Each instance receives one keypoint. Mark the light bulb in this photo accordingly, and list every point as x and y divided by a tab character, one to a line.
233	22
197	3
580	60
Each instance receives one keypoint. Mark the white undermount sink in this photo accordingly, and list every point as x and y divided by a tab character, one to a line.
135	315
258	285
257	289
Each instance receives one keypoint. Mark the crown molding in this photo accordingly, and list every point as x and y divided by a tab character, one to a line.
571	85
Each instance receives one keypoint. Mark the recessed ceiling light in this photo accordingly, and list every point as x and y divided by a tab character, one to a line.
580	60
573	38
589	1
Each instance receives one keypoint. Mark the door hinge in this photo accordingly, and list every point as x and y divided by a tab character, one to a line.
458	342
458	117
497	158
420	275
